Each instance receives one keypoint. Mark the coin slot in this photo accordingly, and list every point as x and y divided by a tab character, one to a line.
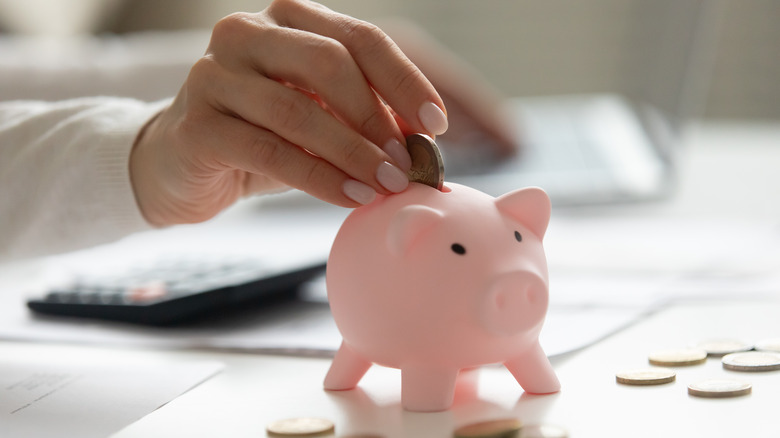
518	237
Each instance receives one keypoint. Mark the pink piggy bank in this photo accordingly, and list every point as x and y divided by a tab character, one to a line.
433	282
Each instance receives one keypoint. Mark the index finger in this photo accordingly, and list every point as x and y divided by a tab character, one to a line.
394	77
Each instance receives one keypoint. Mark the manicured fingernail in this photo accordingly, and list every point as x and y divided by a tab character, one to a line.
358	192
391	177
432	118
398	152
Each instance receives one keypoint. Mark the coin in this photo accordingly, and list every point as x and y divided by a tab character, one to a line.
719	388
646	376
543	431
678	357
297	427
722	347
769	345
427	163
752	361
503	428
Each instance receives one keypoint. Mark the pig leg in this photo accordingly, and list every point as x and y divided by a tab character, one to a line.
346	370
533	371
427	389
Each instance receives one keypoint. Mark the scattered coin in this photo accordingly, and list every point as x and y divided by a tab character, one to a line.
646	376
719	388
300	427
752	361
543	431
722	347
769	345
427	163
678	357
503	428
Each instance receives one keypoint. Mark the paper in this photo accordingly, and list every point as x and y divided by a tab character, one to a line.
605	273
307	328
87	396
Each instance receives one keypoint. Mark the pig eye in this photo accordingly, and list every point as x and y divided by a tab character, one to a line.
518	237
457	248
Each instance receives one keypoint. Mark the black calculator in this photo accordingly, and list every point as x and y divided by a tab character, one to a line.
174	290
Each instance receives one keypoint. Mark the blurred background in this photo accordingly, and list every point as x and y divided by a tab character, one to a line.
718	235
48	48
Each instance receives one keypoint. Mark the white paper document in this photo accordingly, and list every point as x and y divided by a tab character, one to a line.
88	396
604	275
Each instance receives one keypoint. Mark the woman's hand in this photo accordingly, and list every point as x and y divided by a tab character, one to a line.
294	96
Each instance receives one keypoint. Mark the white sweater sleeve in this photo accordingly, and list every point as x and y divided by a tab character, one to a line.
64	177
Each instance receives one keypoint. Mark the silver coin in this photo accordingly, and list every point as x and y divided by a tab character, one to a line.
752	361
678	357
427	163
646	376
300	427
722	347
719	388
768	345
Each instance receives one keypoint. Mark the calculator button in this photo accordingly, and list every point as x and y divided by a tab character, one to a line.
181	288
115	298
87	296
152	291
61	297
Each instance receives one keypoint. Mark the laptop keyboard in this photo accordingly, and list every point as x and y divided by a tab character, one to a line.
578	149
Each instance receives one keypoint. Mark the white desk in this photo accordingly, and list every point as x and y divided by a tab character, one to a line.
253	390
728	172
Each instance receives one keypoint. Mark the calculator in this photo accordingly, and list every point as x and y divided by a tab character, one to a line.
175	290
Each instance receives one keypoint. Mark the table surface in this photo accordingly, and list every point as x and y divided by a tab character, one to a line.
254	390
729	171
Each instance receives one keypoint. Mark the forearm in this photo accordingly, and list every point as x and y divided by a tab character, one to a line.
64	173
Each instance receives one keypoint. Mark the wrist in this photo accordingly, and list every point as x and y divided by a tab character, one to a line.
142	173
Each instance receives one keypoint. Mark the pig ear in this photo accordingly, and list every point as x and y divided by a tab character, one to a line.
408	224
529	206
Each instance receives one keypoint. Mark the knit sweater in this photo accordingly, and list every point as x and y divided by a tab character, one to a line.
64	177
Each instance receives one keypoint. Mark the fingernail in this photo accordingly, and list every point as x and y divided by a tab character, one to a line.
432	118
391	177
358	192
398	152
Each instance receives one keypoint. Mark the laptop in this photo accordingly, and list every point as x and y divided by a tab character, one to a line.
604	148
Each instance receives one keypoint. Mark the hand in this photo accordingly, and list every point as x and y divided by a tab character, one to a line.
294	96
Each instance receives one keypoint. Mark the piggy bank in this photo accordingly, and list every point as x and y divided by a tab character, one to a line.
434	282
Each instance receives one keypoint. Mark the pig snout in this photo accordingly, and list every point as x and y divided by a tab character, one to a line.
515	302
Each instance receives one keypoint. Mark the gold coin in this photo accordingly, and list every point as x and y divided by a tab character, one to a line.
297	427
543	431
722	347
719	388
752	361
678	357
646	376
504	428
769	345
427	163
